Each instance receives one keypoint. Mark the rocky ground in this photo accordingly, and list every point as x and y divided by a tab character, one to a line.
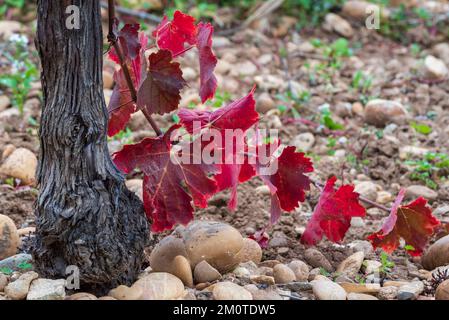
387	102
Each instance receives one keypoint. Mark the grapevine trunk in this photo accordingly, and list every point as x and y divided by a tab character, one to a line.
86	217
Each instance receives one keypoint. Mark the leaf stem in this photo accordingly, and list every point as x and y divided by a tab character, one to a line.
320	186
112	38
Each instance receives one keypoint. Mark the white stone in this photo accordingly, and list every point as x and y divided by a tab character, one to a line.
333	22
435	68
303	141
230	291
21	164
415	191
352	264
47	289
328	290
366	189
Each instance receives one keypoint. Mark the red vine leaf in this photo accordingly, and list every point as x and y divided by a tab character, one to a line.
261	237
121	106
129	40
333	213
172	35
413	222
208	61
289	183
160	91
169	186
238	115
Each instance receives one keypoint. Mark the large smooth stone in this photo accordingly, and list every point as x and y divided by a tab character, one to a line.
352	264
442	292
164	253
435	68
230	291
14	261
283	274
217	243
126	293
18	290
381	112
437	255
251	251
3	282
410	291
160	286
300	269
204	272
183	270
361	296
317	260
9	238
21	164
47	289
328	290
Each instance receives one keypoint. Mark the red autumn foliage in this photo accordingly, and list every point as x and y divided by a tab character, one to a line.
172	35
160	91
171	189
208	62
333	213
289	183
168	187
413	222
121	105
261	237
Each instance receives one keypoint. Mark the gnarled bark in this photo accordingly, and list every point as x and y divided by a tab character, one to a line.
85	215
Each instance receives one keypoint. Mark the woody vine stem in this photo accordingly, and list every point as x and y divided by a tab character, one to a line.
112	38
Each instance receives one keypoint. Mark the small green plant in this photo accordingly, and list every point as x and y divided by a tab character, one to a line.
124	136
424	15
292	101
221	98
429	169
337	50
403	19
9	181
331	144
415	49
360	279
6	271
327	120
362	83
175	118
198	9
310	12
334	54
23	71
387	264
8	4
324	272
421	128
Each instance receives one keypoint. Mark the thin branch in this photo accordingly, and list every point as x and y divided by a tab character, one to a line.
112	38
134	13
320	186
262	11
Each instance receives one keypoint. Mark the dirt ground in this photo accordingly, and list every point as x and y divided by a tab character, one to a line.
358	152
